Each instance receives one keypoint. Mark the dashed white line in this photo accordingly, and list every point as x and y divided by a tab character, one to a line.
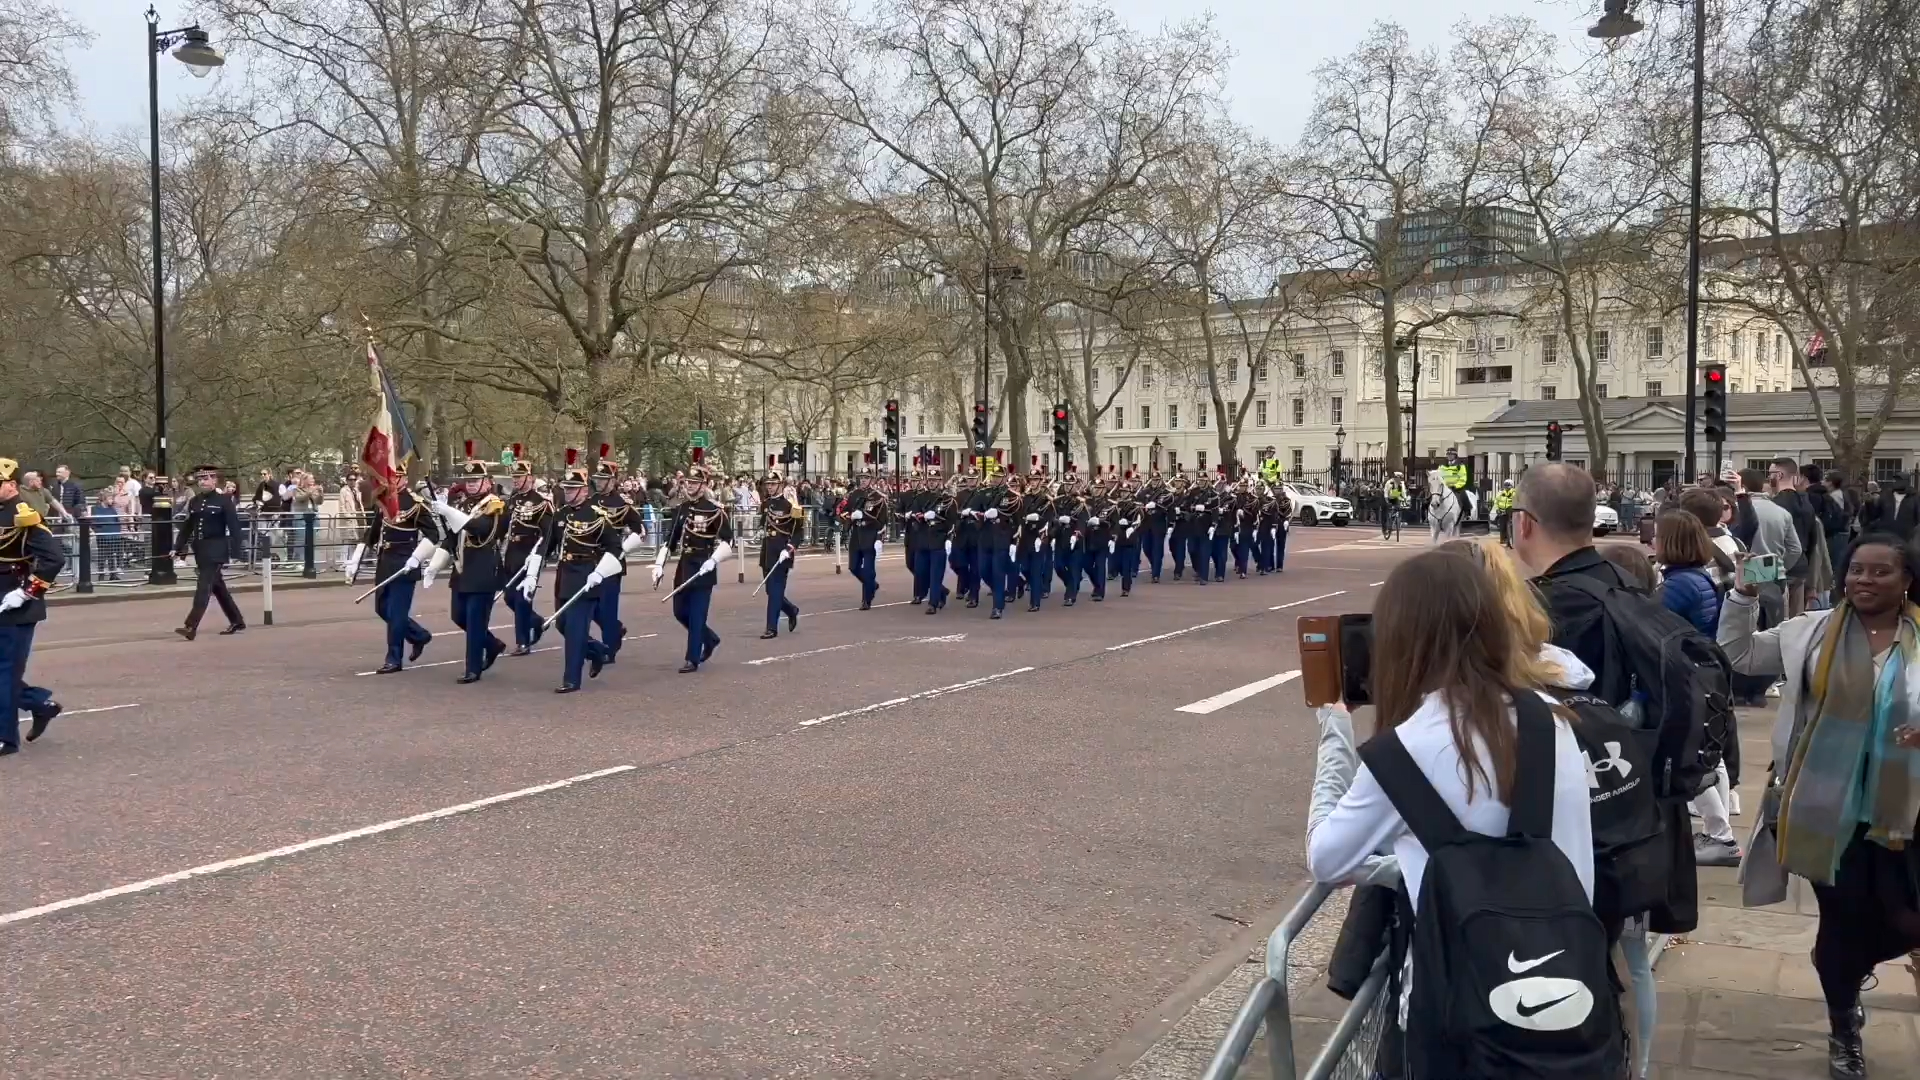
103	708
304	846
1163	637
936	640
844	610
894	703
462	660
1237	694
1308	600
1375	584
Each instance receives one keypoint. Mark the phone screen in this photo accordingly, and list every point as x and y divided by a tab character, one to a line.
1356	659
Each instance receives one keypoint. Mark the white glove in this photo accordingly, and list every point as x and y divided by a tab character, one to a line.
1033	517
1073	541
632	543
933	515
1094	521
530	577
658	570
440	506
1199	507
1153	506
1110	546
949	547
1037	544
1064	519
1013	551
15	599
876	547
708	567
1210	532
455	519
966	512
413	562
353	561
993	513
858	515
441	557
593	579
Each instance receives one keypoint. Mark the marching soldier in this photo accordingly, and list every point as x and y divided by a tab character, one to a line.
473	542
1246	525
907	504
1154	513
211	530
702	534
586	549
30	560
403	543
994	504
1275	510
865	517
1099	543
1069	537
1181	531
606	479
528	512
1128	526
937	517
964	539
781	517
1221	534
1035	513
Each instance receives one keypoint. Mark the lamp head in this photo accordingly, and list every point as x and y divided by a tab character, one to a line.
195	52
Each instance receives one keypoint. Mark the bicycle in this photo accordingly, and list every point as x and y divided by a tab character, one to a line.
1390	523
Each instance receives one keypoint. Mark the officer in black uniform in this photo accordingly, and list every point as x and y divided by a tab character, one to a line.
1069	536
1202	518
211	530
995	556
1096	541
866	521
702	533
527	514
586	548
476	535
781	516
1154	512
403	541
621	515
964	537
1034	522
938	516
30	560
1129	524
906	509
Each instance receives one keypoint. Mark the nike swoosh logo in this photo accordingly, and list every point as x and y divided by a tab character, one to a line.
1525	1009
1519	966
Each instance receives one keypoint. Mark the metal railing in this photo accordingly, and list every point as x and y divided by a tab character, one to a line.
1351	1049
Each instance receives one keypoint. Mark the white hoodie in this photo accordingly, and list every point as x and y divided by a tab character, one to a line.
1343	841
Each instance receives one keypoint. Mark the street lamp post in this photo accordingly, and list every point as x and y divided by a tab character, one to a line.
1617	22
1339	444
1412	409
190	47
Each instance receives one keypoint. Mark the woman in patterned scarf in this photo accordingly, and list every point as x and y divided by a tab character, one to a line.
1844	798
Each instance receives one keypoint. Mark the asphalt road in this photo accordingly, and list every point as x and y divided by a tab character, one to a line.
885	845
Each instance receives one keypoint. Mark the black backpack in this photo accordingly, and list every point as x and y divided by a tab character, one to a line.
1509	962
1630	861
1679	681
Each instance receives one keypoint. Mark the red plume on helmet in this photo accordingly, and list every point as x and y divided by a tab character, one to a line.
516	449
606	449
572	456
469	447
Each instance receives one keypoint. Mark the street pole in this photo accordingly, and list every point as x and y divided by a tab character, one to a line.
1693	234
160	562
1413	410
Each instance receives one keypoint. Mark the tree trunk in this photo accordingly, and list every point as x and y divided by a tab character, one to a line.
599	362
1390	376
833	437
1013	407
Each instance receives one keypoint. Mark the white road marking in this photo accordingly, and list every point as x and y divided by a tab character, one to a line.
843	610
504	656
1375	584
304	846
894	703
1308	600
942	639
103	708
1163	637
1237	694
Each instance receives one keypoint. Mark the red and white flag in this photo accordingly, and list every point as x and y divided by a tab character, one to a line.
389	446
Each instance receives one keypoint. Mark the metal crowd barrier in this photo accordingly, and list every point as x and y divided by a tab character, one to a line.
1350	1050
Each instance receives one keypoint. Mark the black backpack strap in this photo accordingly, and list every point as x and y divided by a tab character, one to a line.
1421	807
1531	811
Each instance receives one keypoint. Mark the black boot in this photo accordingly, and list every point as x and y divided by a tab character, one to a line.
1846	1054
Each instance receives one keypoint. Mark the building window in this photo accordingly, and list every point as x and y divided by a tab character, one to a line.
1887	469
1778	389
1093	379
1146	376
1337	360
1119	418
1549	350
1233	373
1779	347
1299	461
1336	411
1260	372
1146	416
1299	412
1656	342
1173	418
1471	375
1600	391
1602	345
1549	393
1501	343
1433	372
1760	345
1503	373
1299	365
1203	415
1733	387
1733	346
1653	389
1260	414
1201	459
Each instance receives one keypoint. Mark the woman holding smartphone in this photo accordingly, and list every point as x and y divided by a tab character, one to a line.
1843	799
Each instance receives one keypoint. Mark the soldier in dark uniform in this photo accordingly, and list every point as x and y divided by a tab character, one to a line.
1221	535
1128	527
702	534
403	543
781	517
865	517
1154	511
907	503
1069	526
620	514
1201	517
964	537
476	535
1035	523
30	560
1246	522
1098	541
937	516
586	550
1274	511
995	557
211	530
1180	511
527	514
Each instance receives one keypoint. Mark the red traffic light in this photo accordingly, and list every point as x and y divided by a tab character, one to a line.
1059	414
1554	427
893	406
979	408
1715	375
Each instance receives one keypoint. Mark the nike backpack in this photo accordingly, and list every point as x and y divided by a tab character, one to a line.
1630	855
1663	674
1508	963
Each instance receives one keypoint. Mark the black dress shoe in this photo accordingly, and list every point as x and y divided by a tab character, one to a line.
866	605
494	649
233	629
689	668
1154	580
521	650
995	615
793	621
918	600
186	632
41	718
565	688
1070	601
468	677
973	603
594	664
706	653
1033	607
8	748
1128	591
769	634
418	647
539	631
386	669
1097	598
933	609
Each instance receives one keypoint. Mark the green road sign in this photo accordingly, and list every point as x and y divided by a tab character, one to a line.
700	439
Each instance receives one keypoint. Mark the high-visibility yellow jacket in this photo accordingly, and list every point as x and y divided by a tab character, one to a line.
1270	470
1454	476
1503	502
1396	491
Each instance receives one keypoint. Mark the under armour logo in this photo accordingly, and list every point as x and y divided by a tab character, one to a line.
1613	763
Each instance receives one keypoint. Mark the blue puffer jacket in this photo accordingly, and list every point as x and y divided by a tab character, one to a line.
1689	592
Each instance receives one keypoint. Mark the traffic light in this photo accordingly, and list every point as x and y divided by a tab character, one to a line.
893	424
980	427
1060	428
1553	440
1713	401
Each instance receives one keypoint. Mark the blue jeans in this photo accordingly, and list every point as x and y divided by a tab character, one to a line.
690	607
1634	943
470	612
863	564
394	605
576	628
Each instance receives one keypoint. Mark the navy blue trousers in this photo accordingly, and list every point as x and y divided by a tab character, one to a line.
394	604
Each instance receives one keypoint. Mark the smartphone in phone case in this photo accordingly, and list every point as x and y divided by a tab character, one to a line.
1320	659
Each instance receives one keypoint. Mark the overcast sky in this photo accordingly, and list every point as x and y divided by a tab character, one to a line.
1276	47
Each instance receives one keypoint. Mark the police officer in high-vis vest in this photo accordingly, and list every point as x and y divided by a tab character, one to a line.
1453	474
1503	508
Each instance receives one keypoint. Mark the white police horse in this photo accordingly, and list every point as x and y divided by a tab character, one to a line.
1443	509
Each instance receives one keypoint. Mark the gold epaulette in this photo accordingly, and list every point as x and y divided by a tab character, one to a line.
490	505
25	517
